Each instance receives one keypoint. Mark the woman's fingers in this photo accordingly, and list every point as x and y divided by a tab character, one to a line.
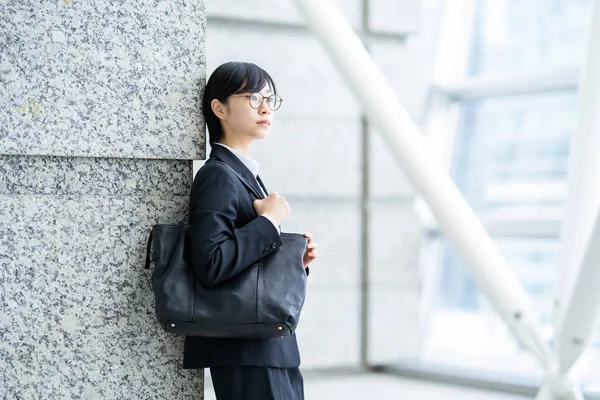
309	236
311	253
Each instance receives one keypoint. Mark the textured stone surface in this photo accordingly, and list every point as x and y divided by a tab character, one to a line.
94	176
102	79
101	108
77	319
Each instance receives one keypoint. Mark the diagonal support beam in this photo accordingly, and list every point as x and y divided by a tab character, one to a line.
455	217
583	197
582	310
555	389
577	312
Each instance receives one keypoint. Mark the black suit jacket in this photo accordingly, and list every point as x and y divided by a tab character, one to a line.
226	236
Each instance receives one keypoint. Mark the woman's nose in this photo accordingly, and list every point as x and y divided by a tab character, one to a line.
264	108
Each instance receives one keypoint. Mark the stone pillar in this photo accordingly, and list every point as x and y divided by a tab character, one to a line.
99	121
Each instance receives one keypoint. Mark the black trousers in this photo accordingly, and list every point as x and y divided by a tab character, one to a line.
257	383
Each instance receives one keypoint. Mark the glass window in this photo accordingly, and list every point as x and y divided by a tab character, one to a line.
510	162
532	259
512	152
514	36
464	329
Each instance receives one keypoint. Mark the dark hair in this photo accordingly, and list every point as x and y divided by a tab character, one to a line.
228	79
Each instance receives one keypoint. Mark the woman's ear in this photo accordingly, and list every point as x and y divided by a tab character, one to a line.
218	108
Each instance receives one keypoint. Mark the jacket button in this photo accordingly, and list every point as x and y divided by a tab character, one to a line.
274	245
266	251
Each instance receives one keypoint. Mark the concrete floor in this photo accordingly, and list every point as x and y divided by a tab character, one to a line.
379	386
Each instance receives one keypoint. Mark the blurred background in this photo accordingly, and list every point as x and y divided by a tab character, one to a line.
493	86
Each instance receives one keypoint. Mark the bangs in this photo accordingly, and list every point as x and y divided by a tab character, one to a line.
248	77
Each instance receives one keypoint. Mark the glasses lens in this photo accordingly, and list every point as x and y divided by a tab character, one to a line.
274	102
256	100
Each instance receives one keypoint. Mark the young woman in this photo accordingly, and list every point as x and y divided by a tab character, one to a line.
230	231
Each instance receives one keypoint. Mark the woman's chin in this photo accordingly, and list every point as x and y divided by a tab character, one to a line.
261	134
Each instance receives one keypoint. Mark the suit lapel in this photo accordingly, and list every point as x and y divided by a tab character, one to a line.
230	159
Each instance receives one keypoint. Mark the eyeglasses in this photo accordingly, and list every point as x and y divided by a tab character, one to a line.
256	100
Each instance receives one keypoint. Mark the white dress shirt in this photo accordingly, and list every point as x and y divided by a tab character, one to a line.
253	166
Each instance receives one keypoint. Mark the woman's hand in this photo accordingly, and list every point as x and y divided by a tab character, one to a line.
310	254
274	205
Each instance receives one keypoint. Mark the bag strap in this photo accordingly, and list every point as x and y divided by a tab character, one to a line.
262	185
244	181
250	188
247	184
148	259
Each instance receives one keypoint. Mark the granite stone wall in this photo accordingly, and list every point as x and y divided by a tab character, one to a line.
99	123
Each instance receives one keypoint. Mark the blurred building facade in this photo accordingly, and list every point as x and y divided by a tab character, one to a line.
493	86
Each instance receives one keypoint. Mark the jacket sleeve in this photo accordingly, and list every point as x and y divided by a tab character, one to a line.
218	250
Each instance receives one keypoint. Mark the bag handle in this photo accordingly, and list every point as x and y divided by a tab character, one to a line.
244	181
148	258
251	188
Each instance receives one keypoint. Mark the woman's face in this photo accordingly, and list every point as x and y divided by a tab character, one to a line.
245	122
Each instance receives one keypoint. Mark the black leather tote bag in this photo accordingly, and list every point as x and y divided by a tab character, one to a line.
263	301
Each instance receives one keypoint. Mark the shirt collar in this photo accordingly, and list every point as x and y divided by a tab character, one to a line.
251	164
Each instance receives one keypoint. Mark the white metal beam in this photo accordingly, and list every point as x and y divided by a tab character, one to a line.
582	309
581	208
475	88
455	217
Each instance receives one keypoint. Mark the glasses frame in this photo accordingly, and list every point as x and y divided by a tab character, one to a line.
248	96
